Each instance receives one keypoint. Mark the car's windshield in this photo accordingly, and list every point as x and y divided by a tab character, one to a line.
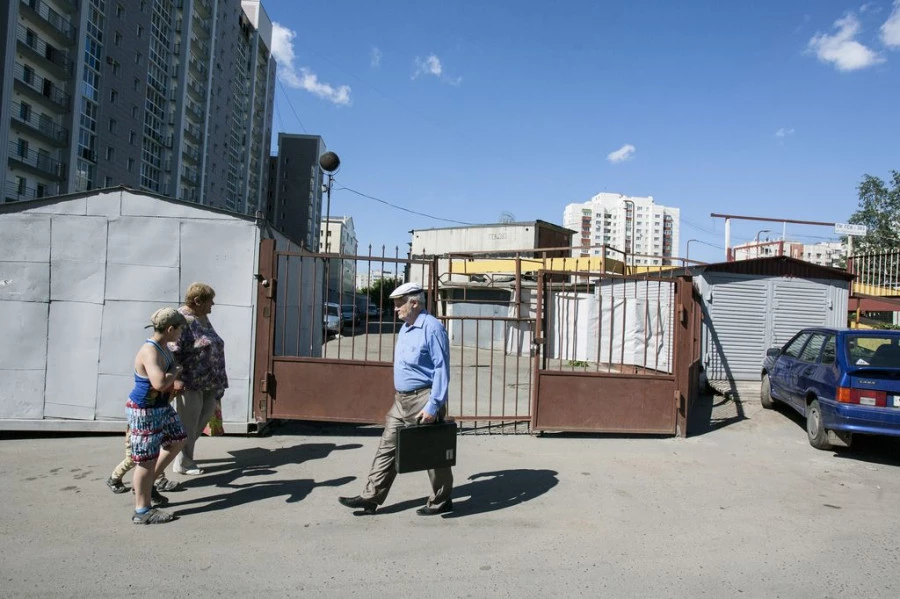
331	310
880	352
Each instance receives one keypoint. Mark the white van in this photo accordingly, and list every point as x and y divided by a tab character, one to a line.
331	321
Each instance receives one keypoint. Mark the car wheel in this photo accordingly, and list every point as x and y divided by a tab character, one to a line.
765	393
815	428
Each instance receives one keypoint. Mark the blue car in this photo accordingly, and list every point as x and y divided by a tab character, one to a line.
843	381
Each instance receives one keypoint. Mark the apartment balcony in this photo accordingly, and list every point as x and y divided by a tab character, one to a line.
197	90
201	25
53	57
197	66
191	153
193	132
189	174
35	162
41	89
203	7
60	26
200	46
195	110
42	126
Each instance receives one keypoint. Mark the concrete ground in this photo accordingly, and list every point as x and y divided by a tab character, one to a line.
746	508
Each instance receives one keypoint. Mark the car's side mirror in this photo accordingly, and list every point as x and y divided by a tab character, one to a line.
773	352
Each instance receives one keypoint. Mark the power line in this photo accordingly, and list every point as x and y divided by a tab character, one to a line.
359	193
291	106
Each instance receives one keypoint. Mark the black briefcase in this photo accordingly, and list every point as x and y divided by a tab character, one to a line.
426	447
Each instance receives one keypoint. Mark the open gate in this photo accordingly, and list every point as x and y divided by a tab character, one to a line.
550	351
619	354
302	372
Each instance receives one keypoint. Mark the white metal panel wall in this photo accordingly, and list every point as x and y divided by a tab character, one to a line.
79	279
746	315
734	327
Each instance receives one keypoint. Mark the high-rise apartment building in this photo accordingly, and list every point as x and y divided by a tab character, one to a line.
824	253
636	225
295	188
171	96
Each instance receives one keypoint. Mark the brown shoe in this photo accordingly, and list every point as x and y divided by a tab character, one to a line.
368	507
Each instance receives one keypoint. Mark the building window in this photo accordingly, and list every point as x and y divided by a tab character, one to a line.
131	165
138	57
41	190
108	182
25	111
113	96
112	125
131	138
23	147
21	185
110	152
117	38
120	10
140	31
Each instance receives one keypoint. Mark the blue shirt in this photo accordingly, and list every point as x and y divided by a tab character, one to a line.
422	359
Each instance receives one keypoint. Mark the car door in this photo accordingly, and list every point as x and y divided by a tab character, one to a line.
782	377
807	374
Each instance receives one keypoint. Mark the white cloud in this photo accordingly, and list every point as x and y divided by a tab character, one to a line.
302	77
376	57
890	31
431	65
624	153
783	132
841	48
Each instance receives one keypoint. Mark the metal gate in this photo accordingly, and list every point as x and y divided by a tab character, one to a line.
305	373
502	377
618	354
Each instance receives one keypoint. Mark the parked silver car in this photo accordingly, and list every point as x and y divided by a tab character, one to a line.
331	320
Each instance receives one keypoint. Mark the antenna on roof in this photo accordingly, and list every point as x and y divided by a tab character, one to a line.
507	217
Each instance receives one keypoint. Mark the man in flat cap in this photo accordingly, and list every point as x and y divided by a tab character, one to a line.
421	375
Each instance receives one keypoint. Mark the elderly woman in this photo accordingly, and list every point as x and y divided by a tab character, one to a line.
201	353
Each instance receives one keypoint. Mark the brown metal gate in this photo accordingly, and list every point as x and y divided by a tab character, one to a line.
505	375
618	354
301	372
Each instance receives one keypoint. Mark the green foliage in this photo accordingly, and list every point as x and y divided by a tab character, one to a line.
379	291
879	210
578	364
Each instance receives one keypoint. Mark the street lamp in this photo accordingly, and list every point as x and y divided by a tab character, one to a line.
330	163
758	233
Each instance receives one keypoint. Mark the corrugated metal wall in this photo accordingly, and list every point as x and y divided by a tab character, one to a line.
744	315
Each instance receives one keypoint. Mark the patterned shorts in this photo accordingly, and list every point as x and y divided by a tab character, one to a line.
151	429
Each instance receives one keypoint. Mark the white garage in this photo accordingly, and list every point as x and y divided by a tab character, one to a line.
80	275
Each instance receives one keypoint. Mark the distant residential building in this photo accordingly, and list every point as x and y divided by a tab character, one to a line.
826	253
295	193
171	97
338	236
366	278
611	219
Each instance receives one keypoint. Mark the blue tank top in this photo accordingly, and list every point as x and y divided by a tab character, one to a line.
144	395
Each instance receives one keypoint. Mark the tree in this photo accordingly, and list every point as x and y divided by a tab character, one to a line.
380	290
879	210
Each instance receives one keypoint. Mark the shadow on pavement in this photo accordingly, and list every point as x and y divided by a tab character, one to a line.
257	461
489	491
712	411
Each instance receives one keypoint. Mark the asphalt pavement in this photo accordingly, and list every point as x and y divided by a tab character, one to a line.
746	508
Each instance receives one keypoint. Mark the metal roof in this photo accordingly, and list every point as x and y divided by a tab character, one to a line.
772	266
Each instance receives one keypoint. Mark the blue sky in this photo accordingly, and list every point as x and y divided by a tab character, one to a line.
465	110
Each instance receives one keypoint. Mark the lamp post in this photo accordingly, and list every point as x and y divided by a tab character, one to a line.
330	163
631	247
687	251
758	233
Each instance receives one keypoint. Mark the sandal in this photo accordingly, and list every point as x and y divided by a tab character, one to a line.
164	484
116	485
195	471
153	516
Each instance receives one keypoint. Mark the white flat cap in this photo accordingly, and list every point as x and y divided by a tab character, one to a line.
406	289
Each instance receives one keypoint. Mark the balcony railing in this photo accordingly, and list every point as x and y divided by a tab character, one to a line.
17	193
876	274
42	86
53	18
36	160
42	48
42	124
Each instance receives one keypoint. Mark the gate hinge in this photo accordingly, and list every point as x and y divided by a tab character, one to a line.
270	285
265	382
